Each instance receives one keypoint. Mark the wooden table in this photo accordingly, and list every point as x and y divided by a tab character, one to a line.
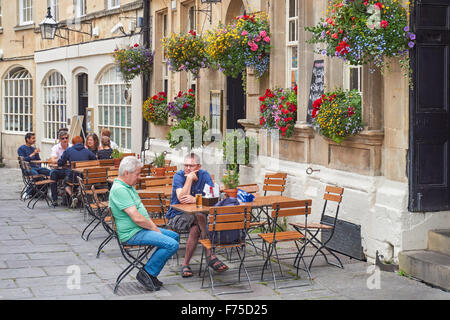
259	202
81	170
167	190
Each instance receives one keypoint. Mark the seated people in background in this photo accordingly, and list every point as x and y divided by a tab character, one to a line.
75	153
105	152
30	153
61	172
92	143
107	133
134	226
186	184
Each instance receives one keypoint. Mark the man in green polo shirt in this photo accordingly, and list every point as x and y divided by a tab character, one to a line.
134	226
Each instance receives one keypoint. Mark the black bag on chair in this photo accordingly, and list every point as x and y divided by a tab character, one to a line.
226	236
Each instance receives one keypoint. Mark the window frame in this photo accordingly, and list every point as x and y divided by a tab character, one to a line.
290	44
11	83
165	65
55	85
347	77
23	18
54	8
80	8
113	82
113	4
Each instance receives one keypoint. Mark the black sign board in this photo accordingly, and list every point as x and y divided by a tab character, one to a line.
317	84
346	238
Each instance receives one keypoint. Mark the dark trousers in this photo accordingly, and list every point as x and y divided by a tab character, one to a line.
57	174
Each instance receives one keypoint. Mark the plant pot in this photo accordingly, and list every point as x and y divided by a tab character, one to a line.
160	172
231	193
117	162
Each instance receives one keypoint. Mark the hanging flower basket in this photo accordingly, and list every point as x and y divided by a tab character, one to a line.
278	110
243	43
337	115
365	31
183	105
155	110
133	61
186	52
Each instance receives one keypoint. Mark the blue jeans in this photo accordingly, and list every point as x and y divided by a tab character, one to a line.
166	244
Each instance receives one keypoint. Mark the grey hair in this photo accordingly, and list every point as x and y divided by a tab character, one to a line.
129	164
63	133
193	156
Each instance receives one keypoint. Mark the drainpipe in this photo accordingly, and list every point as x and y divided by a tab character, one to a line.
146	77
1	150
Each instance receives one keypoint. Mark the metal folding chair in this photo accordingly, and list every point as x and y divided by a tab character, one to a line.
222	219
271	239
313	230
40	184
106	221
95	210
134	255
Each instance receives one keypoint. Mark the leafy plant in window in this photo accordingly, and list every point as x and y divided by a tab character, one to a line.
155	110
365	31
133	61
234	143
278	110
337	114
186	52
183	105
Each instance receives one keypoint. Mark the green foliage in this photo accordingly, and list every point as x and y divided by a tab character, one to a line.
231	178
239	143
177	132
155	109
160	160
116	154
133	61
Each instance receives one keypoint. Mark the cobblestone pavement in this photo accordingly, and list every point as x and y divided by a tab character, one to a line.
41	254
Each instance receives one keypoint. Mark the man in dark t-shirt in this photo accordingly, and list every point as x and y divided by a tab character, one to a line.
186	184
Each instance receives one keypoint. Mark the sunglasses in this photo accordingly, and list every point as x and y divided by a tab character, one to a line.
65	138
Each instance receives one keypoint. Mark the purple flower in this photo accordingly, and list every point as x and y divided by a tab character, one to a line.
411	44
406	29
412	36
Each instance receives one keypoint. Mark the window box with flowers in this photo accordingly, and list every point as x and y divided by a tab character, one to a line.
133	61
365	31
243	43
278	110
337	115
186	52
183	106
155	109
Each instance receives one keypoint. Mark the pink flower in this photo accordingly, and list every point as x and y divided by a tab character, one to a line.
258	39
267	39
254	48
263	34
244	33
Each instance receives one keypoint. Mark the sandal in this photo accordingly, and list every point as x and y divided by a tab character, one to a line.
186	272
217	265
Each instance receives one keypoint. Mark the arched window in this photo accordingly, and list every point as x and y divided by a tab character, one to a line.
55	105
114	109
18	101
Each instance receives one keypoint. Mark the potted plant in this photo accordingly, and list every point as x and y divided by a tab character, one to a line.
183	106
117	156
159	164
183	133
133	61
231	181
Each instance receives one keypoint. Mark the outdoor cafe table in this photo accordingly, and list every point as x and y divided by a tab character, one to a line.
81	170
259	202
167	190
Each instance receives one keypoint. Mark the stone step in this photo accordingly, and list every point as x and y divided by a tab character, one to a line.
429	266
439	241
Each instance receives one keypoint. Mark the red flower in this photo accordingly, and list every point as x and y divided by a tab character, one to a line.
155	97
379	5
136	45
262	99
190	90
283	98
384	24
193	33
350	111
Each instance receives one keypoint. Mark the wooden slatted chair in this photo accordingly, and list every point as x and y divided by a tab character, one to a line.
106	163
73	181
129	154
158	182
275	236
312	230
40	185
155	204
223	219
171	171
